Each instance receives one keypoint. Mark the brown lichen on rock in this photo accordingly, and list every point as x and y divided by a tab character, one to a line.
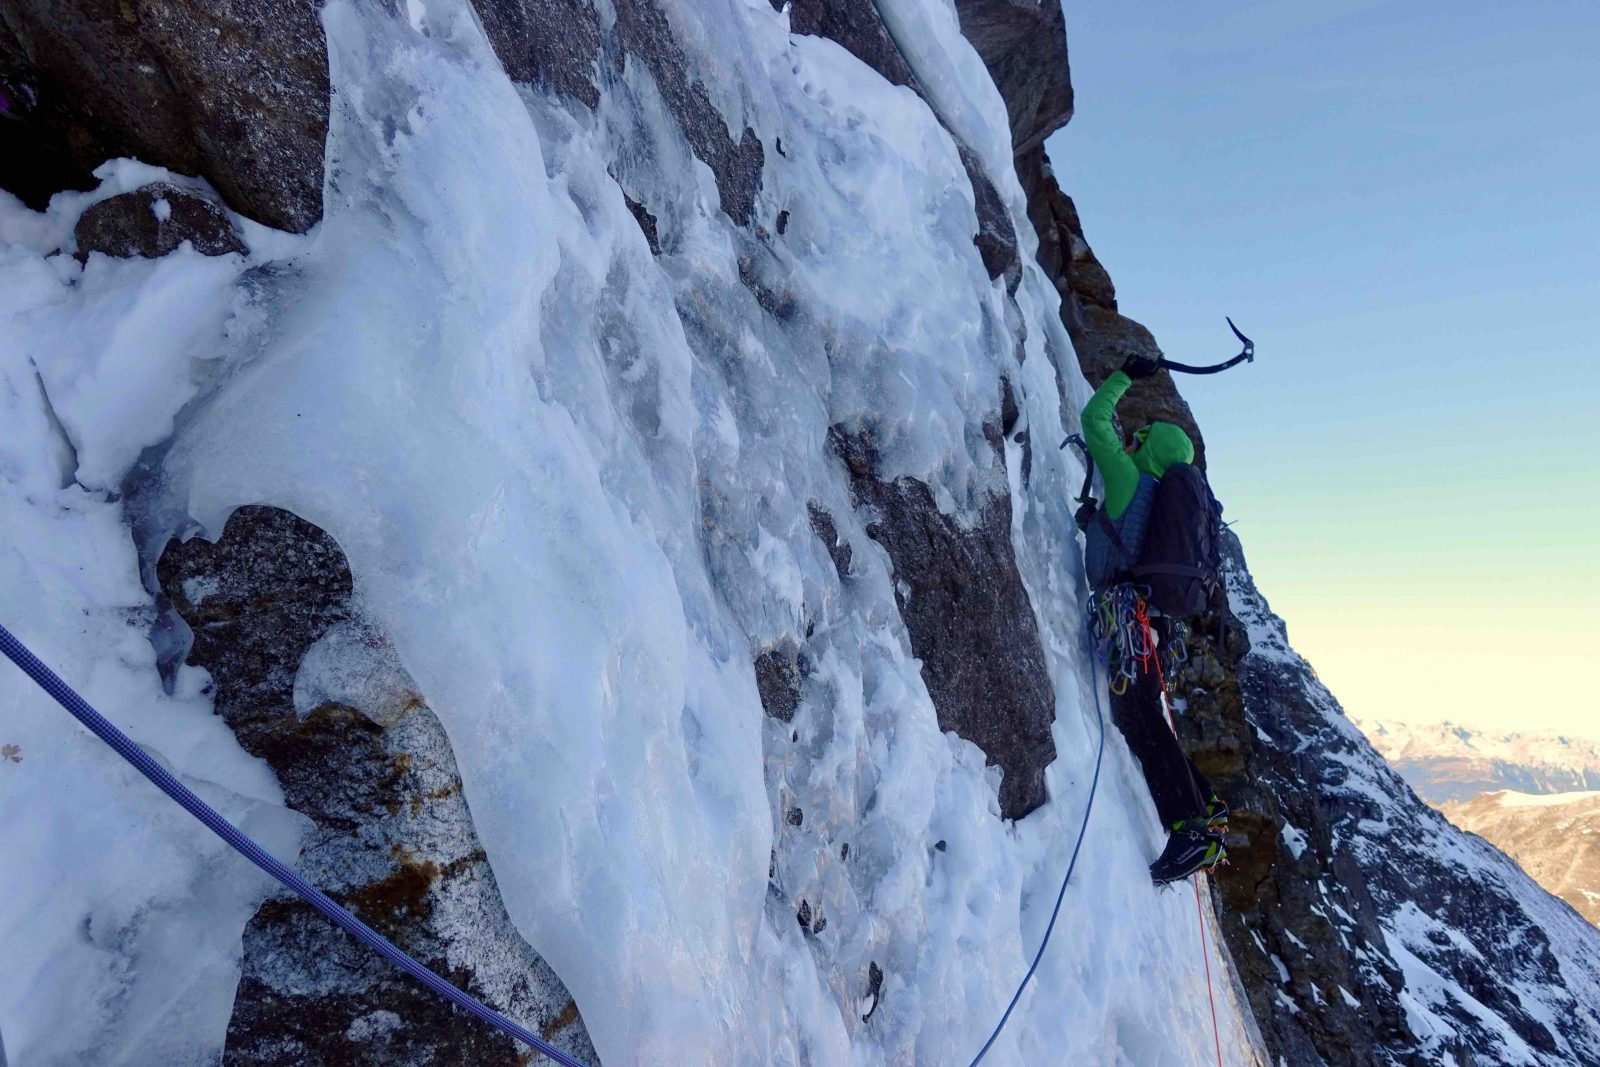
392	837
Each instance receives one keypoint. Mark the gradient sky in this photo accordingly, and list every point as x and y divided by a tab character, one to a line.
1400	202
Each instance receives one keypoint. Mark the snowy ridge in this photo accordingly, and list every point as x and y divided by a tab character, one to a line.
1555	838
1489	963
1448	761
572	481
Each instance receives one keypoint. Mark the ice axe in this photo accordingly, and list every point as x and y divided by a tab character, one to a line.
1246	355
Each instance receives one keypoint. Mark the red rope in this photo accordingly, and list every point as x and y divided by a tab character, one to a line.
1155	660
1205	954
1141	614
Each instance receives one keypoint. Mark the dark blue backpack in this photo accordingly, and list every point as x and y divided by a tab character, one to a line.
1180	560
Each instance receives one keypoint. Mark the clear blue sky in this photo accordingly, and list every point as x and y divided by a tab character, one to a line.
1401	203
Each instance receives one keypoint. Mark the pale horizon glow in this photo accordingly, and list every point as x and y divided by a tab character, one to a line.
1398	201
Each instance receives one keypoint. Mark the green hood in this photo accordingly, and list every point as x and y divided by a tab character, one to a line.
1164	445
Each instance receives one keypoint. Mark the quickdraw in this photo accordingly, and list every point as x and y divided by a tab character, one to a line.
1125	640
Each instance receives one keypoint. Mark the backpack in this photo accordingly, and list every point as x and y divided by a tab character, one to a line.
1180	561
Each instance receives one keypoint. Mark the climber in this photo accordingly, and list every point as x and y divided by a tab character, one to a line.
1115	536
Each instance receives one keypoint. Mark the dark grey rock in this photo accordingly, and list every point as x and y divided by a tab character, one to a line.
647	223
153	221
969	619
858	28
233	90
779	672
643	32
554	44
997	237
1024	45
392	838
874	989
839	550
763	275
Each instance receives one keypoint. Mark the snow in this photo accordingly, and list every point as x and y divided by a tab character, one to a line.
1508	798
1294	839
119	914
571	480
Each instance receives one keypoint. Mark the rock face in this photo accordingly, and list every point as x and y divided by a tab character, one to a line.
969	619
308	687
554	44
1101	335
1555	838
153	221
1024	45
645	35
1460	957
235	91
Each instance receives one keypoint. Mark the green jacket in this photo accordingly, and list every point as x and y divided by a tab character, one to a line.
1164	445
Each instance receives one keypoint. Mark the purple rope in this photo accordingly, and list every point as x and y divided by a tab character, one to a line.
102	728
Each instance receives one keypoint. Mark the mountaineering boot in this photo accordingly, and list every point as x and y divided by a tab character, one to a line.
1216	813
1190	848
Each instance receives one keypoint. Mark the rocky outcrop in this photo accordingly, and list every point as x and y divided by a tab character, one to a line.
779	672
554	44
1555	838
1024	46
1456	956
234	91
645	34
969	619
311	688
153	221
1101	335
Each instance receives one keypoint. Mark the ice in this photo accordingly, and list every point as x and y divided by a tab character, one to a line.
572	481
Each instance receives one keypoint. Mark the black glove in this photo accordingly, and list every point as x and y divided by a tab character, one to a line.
1137	366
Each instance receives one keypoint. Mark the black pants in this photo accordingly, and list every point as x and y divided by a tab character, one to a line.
1178	788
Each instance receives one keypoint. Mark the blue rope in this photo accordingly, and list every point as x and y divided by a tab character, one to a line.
102	728
1094	784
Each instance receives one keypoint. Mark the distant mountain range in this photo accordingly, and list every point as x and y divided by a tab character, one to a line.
1556	839
1446	762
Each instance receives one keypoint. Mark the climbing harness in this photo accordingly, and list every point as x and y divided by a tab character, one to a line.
124	746
1094	784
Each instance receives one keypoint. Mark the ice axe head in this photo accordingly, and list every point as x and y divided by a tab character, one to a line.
1249	352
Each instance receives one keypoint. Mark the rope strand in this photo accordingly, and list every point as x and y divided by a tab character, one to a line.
124	746
1205	954
1088	806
